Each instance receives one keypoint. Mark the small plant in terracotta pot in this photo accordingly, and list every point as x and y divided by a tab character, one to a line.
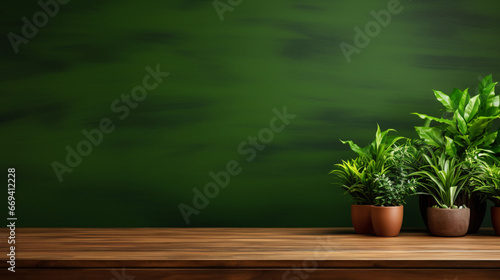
392	189
489	187
357	176
443	178
356	182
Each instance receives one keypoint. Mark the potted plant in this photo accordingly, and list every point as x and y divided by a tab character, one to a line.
355	181
391	190
489	187
466	125
443	179
357	176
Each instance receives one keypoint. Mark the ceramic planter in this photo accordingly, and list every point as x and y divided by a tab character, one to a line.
476	205
387	220
495	219
361	219
448	222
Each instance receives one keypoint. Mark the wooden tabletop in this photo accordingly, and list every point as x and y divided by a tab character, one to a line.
245	248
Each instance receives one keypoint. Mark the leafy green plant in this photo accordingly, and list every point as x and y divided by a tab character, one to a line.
358	176
393	187
390	193
442	177
489	182
469	121
379	150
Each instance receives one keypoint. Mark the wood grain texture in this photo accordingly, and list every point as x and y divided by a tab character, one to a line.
253	274
246	248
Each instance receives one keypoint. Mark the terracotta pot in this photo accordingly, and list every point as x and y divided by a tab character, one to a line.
361	219
387	220
476	205
448	222
495	219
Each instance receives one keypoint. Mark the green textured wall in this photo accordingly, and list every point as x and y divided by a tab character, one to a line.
226	77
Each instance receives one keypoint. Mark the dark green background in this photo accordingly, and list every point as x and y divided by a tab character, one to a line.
225	79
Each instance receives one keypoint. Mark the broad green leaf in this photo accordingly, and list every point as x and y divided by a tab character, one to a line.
464	100
489	139
488	95
462	124
472	108
451	149
489	90
484	82
492	111
461	140
492	102
496	101
486	92
486	86
455	97
479	125
431	135
445	100
440	120
355	148
452	128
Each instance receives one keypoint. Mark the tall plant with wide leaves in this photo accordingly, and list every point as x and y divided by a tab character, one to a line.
358	176
469	121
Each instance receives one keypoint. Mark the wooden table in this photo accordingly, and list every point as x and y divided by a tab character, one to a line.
246	253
